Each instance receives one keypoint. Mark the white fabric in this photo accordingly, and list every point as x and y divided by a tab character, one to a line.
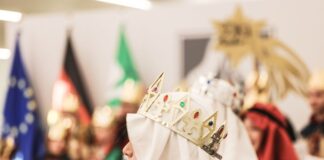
152	141
218	90
237	145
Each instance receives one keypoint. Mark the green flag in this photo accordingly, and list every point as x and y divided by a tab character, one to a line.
124	60
125	64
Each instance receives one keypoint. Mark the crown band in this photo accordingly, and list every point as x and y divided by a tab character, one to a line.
178	112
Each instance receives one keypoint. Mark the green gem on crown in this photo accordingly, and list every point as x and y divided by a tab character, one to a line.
182	104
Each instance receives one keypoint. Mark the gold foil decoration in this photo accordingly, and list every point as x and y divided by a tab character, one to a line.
103	117
57	132
70	103
53	117
132	92
239	37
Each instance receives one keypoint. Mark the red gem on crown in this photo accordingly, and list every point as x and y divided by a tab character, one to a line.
196	115
165	98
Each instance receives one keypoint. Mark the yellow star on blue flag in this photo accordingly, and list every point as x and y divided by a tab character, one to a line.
21	120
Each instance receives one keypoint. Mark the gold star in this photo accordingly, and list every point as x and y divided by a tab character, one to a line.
21	84
28	92
31	105
29	118
238	35
23	128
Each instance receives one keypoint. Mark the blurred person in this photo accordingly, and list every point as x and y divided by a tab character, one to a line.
7	148
313	132
57	142
70	120
266	127
131	97
104	133
68	115
174	125
258	90
79	144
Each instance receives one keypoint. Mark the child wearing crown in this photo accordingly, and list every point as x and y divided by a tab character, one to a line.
175	125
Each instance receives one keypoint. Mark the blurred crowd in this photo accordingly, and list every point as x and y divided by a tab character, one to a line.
214	116
272	135
103	138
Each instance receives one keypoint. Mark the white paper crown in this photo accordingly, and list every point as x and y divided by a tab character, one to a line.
182	113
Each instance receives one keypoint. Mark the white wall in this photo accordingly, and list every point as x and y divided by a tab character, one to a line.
4	69
155	40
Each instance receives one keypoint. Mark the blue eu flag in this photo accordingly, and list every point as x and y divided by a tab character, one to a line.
21	120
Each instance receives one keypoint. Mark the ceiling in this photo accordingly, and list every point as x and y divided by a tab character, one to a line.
45	6
42	6
48	6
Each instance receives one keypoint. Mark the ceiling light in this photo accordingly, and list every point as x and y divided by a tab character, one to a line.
4	54
10	16
138	4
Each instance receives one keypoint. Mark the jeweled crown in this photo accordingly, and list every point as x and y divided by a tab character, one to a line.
183	113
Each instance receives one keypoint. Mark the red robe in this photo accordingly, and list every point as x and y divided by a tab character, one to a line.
276	144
